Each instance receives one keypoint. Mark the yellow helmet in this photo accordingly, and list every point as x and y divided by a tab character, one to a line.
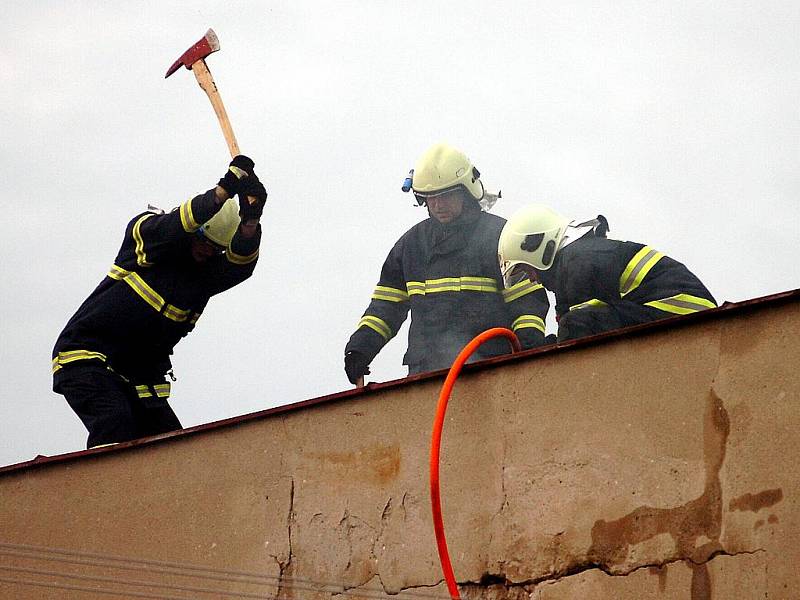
221	227
443	168
531	236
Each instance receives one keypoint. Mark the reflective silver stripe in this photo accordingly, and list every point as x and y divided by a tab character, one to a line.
389	294
453	284
525	321
682	304
518	290
593	302
637	269
376	324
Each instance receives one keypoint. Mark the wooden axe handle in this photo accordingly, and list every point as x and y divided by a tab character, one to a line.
206	82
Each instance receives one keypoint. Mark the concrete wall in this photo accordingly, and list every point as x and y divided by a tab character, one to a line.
653	465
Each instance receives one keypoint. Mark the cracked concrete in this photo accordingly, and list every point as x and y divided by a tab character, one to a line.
651	467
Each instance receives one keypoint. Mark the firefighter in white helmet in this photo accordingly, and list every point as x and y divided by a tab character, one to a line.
444	270
112	358
599	284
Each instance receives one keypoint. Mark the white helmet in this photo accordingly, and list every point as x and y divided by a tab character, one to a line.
443	168
532	237
222	226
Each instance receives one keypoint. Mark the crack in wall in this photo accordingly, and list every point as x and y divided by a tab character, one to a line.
499	579
285	567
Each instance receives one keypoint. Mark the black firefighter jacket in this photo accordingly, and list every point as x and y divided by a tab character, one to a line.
152	296
635	282
449	277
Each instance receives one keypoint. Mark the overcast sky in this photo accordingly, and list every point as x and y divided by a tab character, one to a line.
679	121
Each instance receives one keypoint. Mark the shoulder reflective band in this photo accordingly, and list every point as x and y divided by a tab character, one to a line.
64	358
593	302
453	284
682	304
528	321
239	259
148	294
376	324
518	290
141	257
187	217
637	269
390	294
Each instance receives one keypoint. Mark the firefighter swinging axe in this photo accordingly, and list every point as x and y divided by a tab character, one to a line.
194	59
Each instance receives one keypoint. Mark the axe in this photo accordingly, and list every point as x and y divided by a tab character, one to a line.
193	59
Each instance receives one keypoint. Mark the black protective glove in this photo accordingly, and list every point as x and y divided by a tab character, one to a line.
252	197
239	169
355	365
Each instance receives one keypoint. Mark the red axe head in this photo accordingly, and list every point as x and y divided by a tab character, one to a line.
207	44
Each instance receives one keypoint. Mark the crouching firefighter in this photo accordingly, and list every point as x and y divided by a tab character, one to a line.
444	270
599	283
111	360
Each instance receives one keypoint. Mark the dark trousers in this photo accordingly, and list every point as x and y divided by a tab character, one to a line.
111	409
597	319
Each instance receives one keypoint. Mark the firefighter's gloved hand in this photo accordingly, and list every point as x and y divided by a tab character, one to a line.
241	166
252	197
355	365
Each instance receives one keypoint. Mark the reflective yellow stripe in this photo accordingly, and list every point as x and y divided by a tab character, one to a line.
415	287
588	303
637	269
187	217
176	314
239	259
141	257
238	172
389	294
162	389
453	284
65	358
118	273
194	318
682	304
143	391
376	324
149	295
518	290
528	321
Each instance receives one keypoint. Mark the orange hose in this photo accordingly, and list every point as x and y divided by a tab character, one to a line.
436	439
